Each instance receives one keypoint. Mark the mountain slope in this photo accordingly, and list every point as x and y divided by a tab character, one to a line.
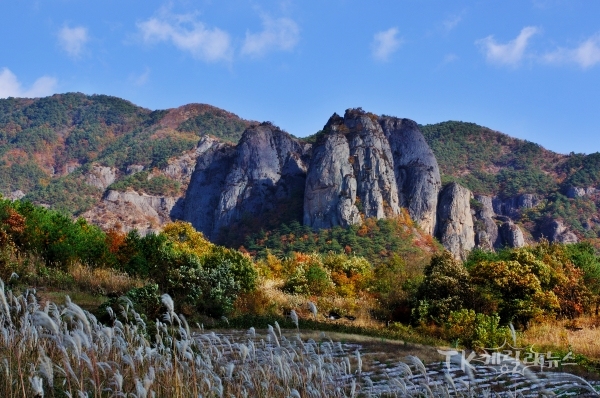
494	164
123	166
49	146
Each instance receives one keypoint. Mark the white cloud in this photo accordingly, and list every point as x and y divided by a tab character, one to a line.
11	87
278	34
385	43
73	40
509	53
452	21
586	55
187	34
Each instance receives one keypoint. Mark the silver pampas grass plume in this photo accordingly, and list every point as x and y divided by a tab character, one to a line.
294	318
312	307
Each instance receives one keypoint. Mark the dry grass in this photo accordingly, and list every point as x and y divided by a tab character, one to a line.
103	280
357	307
582	336
61	350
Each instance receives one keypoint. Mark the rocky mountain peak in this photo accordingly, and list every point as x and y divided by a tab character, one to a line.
248	181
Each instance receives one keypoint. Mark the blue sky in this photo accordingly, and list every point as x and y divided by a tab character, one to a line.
528	68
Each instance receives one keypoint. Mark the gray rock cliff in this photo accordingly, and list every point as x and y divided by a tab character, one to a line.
366	166
511	234
230	183
511	207
268	167
455	221
351	173
416	169
101	176
487	236
555	231
207	183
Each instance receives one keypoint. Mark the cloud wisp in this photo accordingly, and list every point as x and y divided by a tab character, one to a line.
278	34
452	21
188	34
385	43
510	53
11	87
586	55
73	40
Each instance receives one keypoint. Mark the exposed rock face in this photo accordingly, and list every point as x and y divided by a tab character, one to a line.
511	207
351	172
134	168
16	195
494	231
101	177
577	192
230	183
416	169
268	167
512	236
207	183
487	236
455	222
370	166
555	231
330	196
127	210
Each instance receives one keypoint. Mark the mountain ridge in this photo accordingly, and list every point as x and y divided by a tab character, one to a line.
81	153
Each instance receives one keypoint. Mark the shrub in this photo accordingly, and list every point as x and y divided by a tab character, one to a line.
445	288
475	330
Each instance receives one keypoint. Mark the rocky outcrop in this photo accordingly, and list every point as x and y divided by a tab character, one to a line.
101	176
454	220
365	166
134	168
555	231
511	234
416	170
487	236
207	183
16	195
267	167
330	196
125	211
351	173
578	192
511	207
495	231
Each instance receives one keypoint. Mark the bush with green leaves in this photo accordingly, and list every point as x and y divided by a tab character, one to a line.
445	288
475	330
209	282
394	285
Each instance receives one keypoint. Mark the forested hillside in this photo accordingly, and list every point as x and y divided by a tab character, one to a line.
492	163
47	145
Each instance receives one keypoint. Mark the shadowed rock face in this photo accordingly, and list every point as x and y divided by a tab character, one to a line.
555	231
207	184
268	166
455	222
248	180
416	170
512	236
